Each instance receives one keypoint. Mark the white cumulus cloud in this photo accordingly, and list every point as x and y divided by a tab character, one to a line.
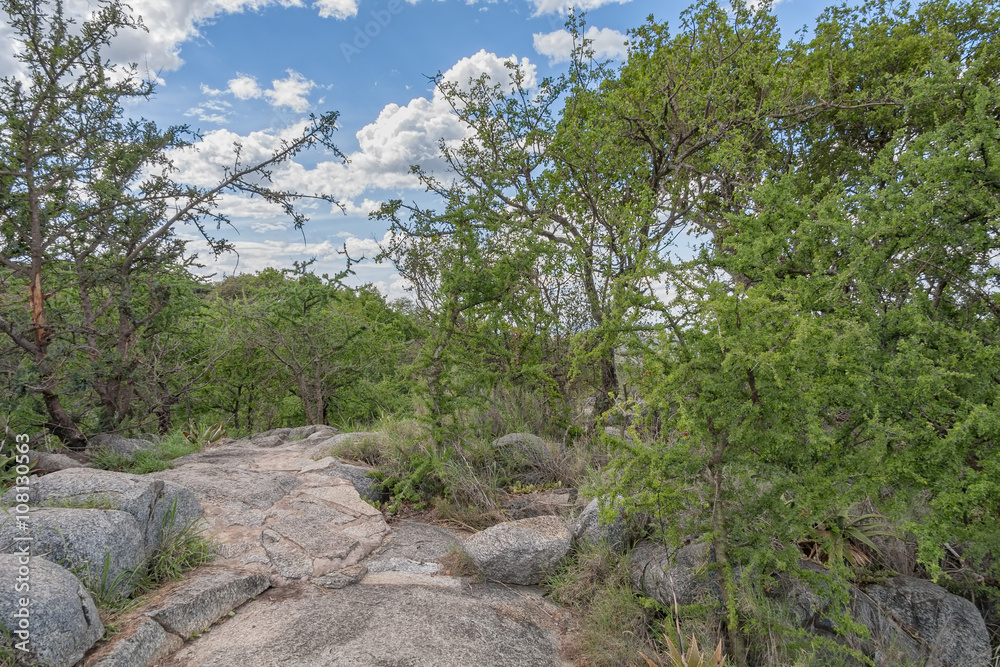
290	92
401	136
244	87
558	45
563	6
169	24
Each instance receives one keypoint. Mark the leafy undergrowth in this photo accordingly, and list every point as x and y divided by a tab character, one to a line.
463	478
158	458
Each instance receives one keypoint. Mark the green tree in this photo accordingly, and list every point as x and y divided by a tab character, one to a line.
339	352
837	339
88	210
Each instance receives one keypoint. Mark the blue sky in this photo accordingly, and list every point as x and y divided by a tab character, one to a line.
249	70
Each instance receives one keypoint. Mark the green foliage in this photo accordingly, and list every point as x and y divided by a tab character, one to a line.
419	480
594	582
146	461
693	657
92	275
299	349
182	547
839	534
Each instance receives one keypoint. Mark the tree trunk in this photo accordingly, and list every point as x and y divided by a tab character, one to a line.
737	647
62	424
609	384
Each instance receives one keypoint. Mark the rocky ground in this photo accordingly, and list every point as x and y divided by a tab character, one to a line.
309	573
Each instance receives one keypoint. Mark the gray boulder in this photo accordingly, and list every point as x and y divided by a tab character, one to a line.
523	444
118	444
918	620
48	462
520	552
663	574
280	436
589	531
909	620
61	618
102	547
148	500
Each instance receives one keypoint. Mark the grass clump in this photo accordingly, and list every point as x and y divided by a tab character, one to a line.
183	546
155	459
613	618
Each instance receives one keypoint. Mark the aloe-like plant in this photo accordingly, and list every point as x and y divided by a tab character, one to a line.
839	534
201	435
692	658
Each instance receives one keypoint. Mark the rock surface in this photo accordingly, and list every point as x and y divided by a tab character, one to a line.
909	620
62	619
589	531
662	574
44	463
923	620
272	509
118	444
144	642
520	552
148	500
357	475
104	548
204	599
380	624
524	444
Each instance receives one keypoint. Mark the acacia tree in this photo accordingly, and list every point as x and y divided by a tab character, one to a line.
837	340
89	207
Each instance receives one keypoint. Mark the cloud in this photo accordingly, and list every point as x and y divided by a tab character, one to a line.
401	136
253	256
362	209
290	92
563	6
244	87
558	45
212	111
338	9
169	24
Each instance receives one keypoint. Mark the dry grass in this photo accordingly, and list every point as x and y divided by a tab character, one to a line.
456	563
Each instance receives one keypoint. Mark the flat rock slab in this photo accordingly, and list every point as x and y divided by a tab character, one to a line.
361	626
206	598
420	542
270	508
144	642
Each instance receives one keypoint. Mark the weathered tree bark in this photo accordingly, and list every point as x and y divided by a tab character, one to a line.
62	424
